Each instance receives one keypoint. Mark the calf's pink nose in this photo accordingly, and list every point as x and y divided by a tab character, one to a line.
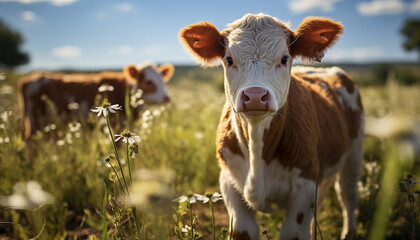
255	98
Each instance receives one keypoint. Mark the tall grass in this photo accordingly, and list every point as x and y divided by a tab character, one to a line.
70	164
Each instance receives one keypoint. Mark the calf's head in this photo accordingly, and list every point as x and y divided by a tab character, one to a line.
151	80
257	53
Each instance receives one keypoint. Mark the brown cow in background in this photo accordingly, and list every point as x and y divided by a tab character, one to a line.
74	94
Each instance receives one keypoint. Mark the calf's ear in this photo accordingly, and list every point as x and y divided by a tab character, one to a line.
167	70
204	42
130	72
314	36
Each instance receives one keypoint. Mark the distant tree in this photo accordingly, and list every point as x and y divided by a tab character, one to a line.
10	54
411	32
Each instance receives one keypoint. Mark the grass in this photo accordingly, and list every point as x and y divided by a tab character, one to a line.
179	137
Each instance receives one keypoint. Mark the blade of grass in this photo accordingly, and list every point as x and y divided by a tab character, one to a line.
104	203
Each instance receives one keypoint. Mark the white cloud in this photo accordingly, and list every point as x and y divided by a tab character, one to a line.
66	52
124	7
123	50
153	50
415	6
53	2
381	7
359	54
301	6
28	16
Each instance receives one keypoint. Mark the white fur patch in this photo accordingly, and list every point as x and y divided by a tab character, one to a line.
349	99
319	72
152	74
257	55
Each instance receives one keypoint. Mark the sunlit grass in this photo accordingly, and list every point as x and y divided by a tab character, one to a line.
179	136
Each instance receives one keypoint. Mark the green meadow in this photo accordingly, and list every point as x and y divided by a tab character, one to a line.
83	193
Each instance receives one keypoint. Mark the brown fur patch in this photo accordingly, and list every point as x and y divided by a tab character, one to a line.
226	136
148	86
240	236
313	127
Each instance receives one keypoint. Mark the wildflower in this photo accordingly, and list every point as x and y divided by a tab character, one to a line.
190	199
199	135
60	142
73	106
26	196
126	137
186	229
105	108
105	88
409	182
214	197
210	198
74	127
136	98
5	116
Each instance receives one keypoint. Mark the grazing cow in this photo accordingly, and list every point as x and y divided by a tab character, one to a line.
74	94
281	131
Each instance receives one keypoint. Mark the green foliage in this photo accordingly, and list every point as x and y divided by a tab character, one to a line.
411	33
380	73
10	42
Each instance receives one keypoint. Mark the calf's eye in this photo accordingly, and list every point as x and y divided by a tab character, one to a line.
284	60
229	61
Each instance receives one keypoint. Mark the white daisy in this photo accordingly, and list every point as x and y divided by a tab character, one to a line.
214	197
127	137
105	108
191	199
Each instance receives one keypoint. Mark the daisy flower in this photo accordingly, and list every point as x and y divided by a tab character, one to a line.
105	108
191	199
214	197
126	136
105	88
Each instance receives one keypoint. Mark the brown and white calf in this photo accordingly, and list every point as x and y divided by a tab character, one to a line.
281	130
67	90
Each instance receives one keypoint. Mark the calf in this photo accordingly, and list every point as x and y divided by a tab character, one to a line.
281	131
75	93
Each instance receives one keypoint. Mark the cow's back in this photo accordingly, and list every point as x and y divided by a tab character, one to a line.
338	106
63	90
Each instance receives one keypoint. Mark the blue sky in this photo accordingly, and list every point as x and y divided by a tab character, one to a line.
99	34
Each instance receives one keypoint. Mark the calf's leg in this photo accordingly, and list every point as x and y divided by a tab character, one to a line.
245	225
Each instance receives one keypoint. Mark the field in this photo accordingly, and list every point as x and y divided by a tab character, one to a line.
176	156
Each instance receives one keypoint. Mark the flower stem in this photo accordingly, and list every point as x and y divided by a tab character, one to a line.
129	165
105	223
212	218
191	217
119	180
116	152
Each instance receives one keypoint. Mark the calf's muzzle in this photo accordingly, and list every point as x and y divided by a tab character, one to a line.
255	100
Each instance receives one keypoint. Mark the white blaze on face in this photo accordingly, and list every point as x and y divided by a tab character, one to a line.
154	90
257	55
